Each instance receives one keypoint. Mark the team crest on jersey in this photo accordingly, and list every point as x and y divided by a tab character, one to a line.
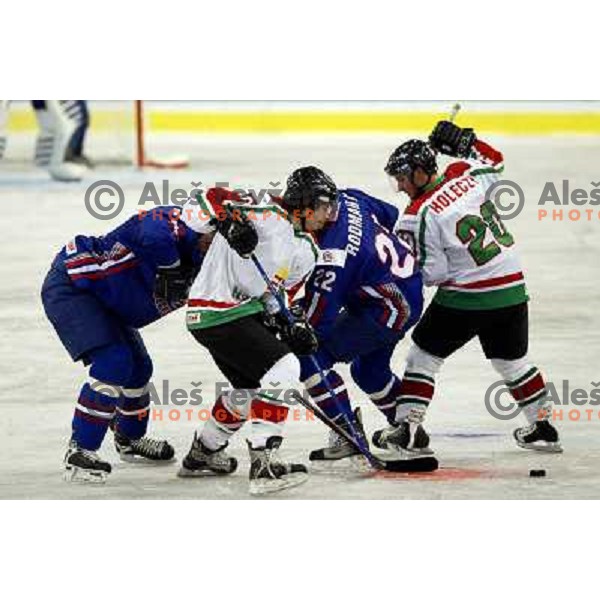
193	318
332	257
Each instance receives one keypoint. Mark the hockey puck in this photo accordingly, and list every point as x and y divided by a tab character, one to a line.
537	473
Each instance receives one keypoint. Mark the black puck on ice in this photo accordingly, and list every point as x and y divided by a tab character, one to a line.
537	473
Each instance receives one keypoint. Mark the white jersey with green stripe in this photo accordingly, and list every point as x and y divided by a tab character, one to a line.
228	286
463	246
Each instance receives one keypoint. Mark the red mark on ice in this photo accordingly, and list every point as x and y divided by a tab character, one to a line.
442	474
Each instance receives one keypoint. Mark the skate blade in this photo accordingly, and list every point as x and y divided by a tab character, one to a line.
360	463
356	463
399	453
320	456
405	452
260	487
191	474
133	459
549	447
76	475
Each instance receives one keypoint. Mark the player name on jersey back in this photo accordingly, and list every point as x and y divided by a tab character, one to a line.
451	193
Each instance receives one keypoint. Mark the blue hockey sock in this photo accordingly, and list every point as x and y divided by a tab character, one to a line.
386	399
133	413
334	408
93	414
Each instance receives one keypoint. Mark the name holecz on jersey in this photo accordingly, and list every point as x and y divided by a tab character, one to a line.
452	193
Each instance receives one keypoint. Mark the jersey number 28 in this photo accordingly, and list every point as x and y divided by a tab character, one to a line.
471	230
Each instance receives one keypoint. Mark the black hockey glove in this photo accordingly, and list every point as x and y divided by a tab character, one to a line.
173	285
450	139
239	233
299	336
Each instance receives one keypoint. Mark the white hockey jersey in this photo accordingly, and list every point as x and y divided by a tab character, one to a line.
228	286
463	246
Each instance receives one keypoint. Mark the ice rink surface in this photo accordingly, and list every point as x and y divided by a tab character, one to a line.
39	384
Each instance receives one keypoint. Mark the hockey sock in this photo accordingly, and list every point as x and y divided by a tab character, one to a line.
226	418
386	400
529	392
268	418
334	407
526	385
418	383
131	419
93	414
415	393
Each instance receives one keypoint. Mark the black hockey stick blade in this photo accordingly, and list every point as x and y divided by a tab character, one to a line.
421	464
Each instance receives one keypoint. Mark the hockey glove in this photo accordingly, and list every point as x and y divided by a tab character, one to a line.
238	231
299	335
173	285
450	139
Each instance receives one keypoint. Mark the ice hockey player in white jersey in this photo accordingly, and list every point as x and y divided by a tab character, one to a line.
466	251
226	314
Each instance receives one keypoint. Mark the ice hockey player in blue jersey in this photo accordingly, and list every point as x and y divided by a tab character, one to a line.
98	293
363	296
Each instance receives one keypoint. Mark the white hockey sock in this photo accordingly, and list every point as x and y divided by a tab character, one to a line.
228	416
268	414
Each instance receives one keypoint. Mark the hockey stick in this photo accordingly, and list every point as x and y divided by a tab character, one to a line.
359	442
417	464
314	408
404	465
454	112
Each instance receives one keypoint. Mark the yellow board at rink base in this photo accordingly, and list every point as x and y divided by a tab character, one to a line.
334	121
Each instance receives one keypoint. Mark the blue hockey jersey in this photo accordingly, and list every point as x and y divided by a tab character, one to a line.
363	267
120	268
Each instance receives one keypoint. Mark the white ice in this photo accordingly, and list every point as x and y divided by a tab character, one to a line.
39	384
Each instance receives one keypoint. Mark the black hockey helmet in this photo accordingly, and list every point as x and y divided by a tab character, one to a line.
308	187
410	155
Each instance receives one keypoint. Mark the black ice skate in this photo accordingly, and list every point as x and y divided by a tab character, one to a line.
200	461
409	438
143	450
268	473
339	447
541	436
84	465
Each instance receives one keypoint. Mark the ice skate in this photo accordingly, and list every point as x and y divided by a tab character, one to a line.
84	465
541	436
338	447
268	473
201	461
408	438
143	450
